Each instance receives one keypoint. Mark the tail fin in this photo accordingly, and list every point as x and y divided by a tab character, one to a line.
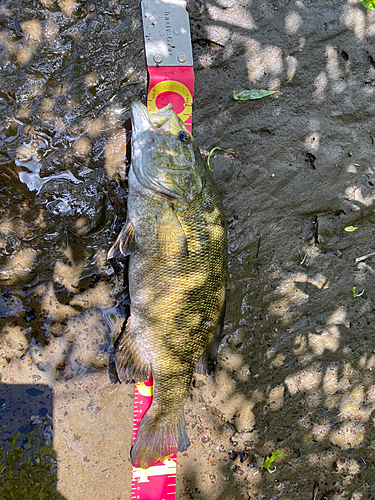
158	438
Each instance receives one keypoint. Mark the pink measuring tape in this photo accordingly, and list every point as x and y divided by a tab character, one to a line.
169	60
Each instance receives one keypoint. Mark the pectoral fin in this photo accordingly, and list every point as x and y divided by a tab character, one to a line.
126	242
171	235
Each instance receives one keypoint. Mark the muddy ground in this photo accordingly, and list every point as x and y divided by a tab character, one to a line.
296	361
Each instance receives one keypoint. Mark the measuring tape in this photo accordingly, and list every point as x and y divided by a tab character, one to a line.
169	56
169	61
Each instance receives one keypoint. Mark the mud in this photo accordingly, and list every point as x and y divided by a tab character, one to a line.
295	364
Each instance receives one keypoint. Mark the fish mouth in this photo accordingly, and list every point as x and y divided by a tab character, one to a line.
146	124
143	120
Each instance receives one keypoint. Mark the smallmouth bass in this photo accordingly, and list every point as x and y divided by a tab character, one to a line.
175	236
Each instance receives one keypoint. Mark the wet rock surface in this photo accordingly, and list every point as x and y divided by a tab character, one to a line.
296	361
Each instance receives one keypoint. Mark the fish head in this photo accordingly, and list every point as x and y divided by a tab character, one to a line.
165	156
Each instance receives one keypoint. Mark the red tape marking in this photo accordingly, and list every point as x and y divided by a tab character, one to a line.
175	85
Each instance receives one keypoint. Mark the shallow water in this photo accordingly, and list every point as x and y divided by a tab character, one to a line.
63	198
295	370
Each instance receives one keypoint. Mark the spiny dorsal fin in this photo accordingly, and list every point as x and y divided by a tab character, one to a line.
126	242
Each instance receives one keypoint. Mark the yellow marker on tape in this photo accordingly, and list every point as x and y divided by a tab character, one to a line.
145	390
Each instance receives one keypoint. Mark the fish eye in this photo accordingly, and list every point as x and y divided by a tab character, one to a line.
183	136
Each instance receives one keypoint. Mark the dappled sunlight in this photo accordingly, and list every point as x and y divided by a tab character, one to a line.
276	398
319	281
333	67
290	295
95	127
18	266
354	18
300	342
68	7
333	78
320	431
32	30
292	65
312	141
307	380
262	59
349	435
57	311
354	194
320	82
278	360
13	339
68	275
331	382
39	245
91	79
328	339
234	408
76	341
367	362
114	118
293	21
51	30
218	34
239	17
351	405
339	317
82	147
295	369
370	28
206	60
99	296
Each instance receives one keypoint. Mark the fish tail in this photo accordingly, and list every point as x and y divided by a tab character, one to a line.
158	438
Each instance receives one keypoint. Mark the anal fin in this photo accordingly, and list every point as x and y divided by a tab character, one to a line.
130	364
126	242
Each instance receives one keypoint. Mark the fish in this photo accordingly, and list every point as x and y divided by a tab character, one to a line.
175	237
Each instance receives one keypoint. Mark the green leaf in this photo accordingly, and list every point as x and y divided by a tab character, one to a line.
350	229
357	294
368	4
249	95
209	156
268	460
120	88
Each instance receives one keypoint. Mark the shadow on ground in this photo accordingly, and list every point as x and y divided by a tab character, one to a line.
27	458
297	356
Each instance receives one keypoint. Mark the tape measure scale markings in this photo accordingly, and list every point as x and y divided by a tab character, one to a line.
171	80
